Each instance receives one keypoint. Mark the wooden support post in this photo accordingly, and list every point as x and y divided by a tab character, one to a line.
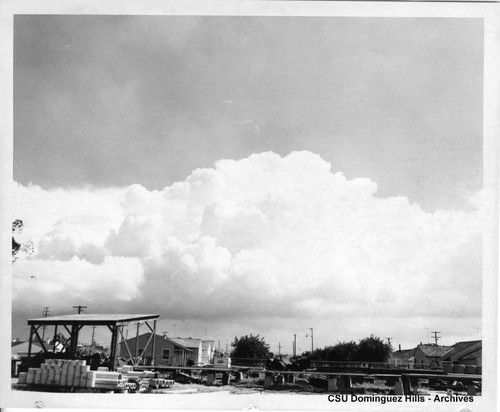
406	385
210	378
238	376
153	349
54	340
332	384
398	388
226	378
268	380
29	345
344	382
112	354
471	389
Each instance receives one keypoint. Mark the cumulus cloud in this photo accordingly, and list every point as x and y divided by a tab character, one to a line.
264	235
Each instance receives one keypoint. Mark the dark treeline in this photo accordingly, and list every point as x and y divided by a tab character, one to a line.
370	349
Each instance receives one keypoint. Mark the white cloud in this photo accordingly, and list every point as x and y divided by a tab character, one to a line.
263	235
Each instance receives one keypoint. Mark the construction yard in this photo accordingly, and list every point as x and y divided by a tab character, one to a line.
58	375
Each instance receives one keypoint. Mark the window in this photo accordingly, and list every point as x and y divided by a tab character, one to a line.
165	355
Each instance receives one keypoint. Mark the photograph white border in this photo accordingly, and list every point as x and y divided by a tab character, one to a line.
489	12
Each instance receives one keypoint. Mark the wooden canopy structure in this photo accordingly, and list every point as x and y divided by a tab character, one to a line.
74	323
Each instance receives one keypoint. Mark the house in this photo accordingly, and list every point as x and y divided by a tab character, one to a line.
465	353
403	358
429	355
196	347
167	351
19	352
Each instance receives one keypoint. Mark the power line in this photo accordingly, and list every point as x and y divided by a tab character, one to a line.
80	307
436	337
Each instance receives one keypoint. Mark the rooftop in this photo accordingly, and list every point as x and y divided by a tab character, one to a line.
461	349
187	342
92	319
434	350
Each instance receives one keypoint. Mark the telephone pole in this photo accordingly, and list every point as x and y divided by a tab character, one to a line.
45	313
80	307
279	348
294	345
436	337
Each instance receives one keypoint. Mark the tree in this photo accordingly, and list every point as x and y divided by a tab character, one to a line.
373	349
17	248
250	347
343	352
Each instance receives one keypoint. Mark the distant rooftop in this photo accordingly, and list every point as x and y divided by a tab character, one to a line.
92	319
461	349
434	350
187	342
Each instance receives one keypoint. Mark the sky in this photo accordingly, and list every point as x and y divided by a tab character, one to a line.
260	175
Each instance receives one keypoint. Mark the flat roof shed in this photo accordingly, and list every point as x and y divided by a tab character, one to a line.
74	323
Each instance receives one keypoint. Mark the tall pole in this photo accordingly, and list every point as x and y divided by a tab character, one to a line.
294	345
45	314
137	341
93	331
436	337
80	307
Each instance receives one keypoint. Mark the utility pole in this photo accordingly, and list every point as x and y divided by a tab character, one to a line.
80	307
45	313
436	337
92	340
279	348
294	345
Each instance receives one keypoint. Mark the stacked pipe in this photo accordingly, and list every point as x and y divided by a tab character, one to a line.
144	379
105	380
71	373
77	374
58	372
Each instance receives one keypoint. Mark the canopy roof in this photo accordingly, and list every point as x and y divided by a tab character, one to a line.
92	319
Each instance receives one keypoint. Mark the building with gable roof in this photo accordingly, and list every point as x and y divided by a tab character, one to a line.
465	353
167	351
195	345
429	355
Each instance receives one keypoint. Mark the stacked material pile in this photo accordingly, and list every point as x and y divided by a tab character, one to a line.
77	374
144	379
71	373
